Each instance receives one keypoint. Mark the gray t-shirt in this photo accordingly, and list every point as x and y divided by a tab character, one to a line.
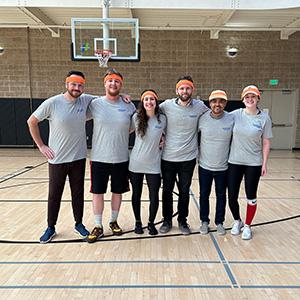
111	129
215	141
67	136
247	139
145	156
182	129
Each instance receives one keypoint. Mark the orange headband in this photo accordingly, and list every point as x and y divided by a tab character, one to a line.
75	78
148	93
112	76
184	81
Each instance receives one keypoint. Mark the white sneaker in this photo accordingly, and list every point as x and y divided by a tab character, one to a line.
236	227
247	234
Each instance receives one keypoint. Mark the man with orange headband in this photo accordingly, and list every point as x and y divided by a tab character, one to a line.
180	151
109	155
216	131
67	149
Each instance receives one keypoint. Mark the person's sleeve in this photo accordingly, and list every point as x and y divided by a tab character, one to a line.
267	134
43	111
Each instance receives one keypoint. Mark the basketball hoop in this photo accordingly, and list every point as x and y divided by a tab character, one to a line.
103	57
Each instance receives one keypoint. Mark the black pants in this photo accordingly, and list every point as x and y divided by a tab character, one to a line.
206	178
57	177
153	182
184	170
235	176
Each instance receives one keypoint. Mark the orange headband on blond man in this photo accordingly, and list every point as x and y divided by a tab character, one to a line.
184	81
112	76
75	78
148	93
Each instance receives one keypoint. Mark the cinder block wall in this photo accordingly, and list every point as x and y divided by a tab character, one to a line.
35	64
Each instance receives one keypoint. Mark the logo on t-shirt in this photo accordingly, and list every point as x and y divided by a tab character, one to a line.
226	128
257	125
121	109
158	126
193	116
80	110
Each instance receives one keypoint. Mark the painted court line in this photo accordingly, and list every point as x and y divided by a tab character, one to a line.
147	286
218	249
147	262
112	262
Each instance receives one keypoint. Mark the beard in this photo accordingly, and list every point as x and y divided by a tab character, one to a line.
74	93
185	97
113	93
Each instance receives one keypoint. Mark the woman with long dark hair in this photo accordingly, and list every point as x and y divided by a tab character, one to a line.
145	158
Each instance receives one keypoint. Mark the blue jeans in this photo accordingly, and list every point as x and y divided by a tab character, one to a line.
170	170
206	178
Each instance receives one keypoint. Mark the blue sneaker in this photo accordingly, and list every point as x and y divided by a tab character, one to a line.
81	230
48	235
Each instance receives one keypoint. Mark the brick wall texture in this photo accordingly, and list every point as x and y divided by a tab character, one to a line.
35	64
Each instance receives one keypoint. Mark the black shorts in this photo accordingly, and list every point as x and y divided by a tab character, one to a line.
100	173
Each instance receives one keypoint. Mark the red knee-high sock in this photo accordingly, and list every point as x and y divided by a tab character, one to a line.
251	209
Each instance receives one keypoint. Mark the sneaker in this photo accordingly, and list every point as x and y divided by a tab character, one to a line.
165	227
151	229
204	228
247	234
95	235
81	230
184	228
220	229
236	227
115	228
48	235
138	228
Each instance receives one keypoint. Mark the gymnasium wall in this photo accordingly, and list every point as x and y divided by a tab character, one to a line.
34	65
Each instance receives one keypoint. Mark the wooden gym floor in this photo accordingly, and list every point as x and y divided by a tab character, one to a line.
169	266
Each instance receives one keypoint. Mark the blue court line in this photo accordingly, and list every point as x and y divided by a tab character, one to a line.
117	286
148	262
270	286
224	262
265	262
112	262
221	256
148	286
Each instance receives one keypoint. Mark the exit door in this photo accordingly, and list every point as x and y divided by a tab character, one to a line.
281	106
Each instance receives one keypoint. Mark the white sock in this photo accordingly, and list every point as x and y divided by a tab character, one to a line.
98	220
114	215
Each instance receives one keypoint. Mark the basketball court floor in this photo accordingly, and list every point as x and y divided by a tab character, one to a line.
169	266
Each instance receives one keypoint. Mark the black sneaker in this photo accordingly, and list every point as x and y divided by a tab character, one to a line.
95	235
151	229
138	228
47	235
165	227
184	228
115	228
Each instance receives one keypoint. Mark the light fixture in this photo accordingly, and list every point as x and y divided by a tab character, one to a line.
232	51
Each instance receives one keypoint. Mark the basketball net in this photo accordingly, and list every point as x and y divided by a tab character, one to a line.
103	56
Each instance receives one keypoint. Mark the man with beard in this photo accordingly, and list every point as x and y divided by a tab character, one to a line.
180	151
67	149
109	155
216	131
